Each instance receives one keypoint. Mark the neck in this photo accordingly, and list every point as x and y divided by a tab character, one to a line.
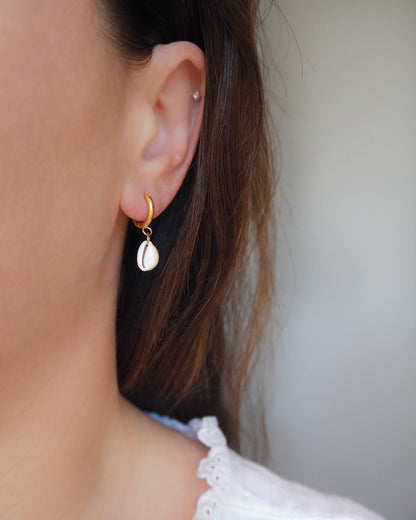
60	416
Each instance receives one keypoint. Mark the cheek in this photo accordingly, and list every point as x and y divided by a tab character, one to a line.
59	119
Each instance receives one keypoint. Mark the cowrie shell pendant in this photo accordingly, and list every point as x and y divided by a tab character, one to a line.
147	256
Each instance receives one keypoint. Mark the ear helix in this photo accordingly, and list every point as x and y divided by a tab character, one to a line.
147	254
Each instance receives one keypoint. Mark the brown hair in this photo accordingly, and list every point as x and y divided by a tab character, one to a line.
188	332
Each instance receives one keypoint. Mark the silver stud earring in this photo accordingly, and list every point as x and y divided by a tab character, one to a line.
147	254
196	96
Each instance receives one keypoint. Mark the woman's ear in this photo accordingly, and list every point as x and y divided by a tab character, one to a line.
164	108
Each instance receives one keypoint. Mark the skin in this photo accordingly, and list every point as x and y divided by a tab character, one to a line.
82	138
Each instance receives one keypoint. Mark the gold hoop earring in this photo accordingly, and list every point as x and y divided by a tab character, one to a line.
147	254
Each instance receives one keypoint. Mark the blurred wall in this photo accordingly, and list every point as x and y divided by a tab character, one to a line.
342	400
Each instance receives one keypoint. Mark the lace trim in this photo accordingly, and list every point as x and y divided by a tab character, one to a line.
215	468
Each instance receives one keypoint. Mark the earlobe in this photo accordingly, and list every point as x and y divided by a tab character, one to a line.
172	88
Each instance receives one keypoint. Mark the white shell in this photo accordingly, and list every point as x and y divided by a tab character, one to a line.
147	256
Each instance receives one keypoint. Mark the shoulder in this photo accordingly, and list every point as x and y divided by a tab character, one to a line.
240	489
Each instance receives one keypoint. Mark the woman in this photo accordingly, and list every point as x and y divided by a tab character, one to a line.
121	120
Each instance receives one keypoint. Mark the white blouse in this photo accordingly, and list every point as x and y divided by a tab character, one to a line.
244	490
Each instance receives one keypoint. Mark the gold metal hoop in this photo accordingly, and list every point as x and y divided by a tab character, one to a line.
147	231
151	210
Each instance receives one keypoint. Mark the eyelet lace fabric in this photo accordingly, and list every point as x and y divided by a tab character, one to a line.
215	468
239	488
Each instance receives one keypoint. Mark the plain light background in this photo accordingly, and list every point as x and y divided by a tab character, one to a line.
341	403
